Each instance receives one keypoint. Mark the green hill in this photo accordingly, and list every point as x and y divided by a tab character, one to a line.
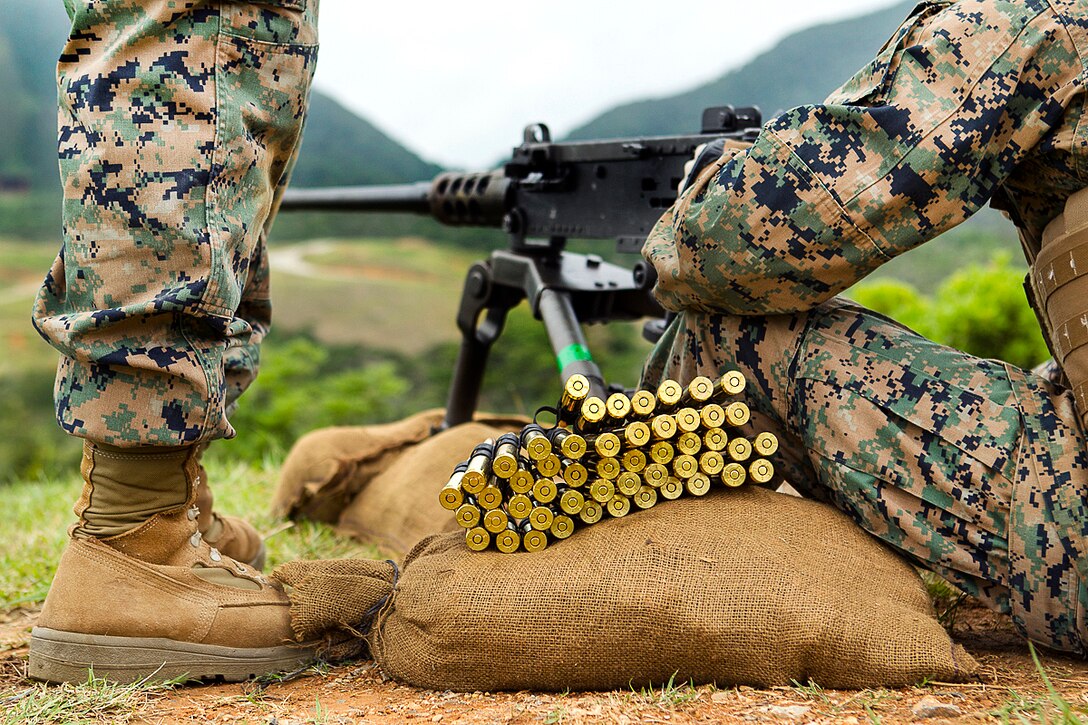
803	68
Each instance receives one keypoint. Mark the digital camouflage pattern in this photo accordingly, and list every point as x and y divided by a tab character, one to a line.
178	124
971	467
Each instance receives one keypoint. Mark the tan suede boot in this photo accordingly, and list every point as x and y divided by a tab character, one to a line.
155	600
233	536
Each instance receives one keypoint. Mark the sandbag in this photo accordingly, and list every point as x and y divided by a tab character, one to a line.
738	587
380	483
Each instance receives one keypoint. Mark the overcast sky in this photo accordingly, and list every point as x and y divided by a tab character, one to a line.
457	81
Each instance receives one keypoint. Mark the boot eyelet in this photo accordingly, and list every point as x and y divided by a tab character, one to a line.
193	513
215	555
194	540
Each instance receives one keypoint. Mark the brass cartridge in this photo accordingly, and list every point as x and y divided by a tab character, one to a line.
698	485
535	442
574	473
732	383
761	470
628	483
496	521
766	444
689	443
468	516
541	518
737	414
618	407
715	439
451	496
562	527
592	413
643	403
655	475
607	445
711	463
645	497
508	540
687	420
505	461
478	472
591	513
477	539
533	540
671	488
663	427
522	481
734	475
619	506
519	506
490	498
575	391
571	501
636	433
685	466
545	490
698	391
572	445
601	490
608	468
633	460
669	393
739	449
662	452
549	465
712	415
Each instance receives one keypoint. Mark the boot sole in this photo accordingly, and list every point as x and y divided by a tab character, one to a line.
57	656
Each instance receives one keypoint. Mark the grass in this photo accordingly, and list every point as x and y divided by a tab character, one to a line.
669	696
95	701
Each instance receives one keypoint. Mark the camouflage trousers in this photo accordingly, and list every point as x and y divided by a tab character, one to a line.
972	468
178	123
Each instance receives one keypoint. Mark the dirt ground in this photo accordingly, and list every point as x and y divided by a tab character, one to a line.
1009	689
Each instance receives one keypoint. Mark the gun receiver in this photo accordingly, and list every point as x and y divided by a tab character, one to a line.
548	192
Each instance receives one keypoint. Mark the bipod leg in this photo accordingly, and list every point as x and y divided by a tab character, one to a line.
569	343
476	339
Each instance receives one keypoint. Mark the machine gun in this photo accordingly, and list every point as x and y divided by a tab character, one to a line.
547	193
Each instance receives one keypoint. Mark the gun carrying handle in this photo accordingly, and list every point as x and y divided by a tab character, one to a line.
569	344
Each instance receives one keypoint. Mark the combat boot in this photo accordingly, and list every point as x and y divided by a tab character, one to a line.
233	536
139	594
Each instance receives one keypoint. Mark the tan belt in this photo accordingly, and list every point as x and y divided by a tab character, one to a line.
1059	281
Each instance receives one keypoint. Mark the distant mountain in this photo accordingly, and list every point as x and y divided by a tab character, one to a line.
803	68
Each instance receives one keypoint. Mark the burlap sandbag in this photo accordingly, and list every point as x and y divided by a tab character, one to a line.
740	587
380	483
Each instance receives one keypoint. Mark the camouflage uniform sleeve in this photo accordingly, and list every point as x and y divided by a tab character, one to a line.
911	146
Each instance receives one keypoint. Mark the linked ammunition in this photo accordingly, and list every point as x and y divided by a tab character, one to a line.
619	506
766	444
711	463
636	433
699	390
732	383
618	406
671	488
628	483
608	468
687	420
508	540
733	475
505	461
477	539
575	391
739	449
737	414
522	481
562	527
761	470
541	518
572	445
536	442
655	474
571	501
607	445
712	415
662	452
685	466
495	521
689	443
698	484
468	516
592	412
490	498
663	426
574	473
591	513
452	497
533	540
549	465
602	489
478	471
645	497
634	460
519	506
715	439
545	490
669	393
643	403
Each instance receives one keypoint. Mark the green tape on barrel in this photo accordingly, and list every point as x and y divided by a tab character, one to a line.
571	354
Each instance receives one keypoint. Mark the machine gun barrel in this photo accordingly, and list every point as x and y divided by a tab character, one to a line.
408	198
